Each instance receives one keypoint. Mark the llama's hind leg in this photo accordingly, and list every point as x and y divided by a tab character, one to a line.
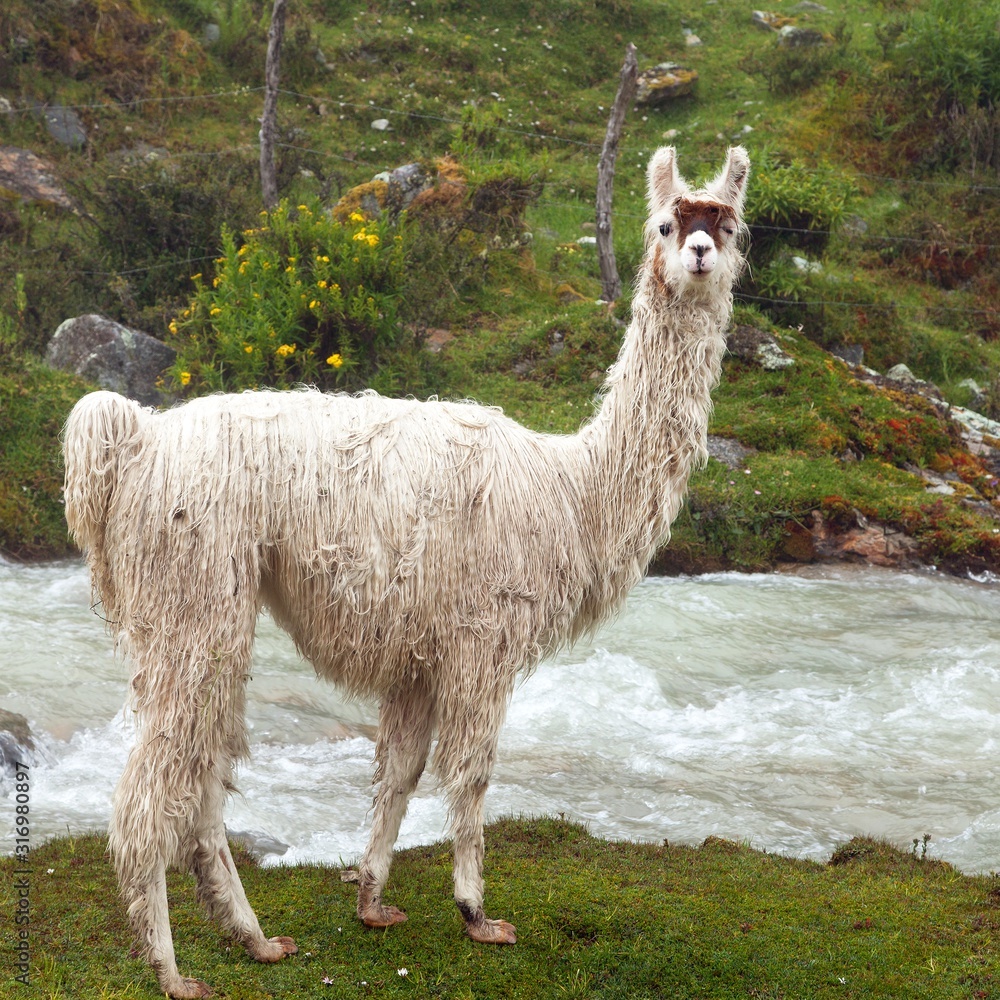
219	887
406	720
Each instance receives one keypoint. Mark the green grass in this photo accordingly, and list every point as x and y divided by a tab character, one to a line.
549	70
595	919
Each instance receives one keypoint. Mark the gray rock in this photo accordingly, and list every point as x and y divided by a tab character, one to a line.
259	843
772	358
112	356
381	124
854	226
808	7
63	124
16	743
793	37
24	175
750	344
901	373
210	34
851	354
728	451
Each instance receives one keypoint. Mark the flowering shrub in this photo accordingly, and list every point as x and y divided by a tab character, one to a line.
302	298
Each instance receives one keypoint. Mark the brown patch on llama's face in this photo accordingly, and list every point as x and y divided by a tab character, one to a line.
699	229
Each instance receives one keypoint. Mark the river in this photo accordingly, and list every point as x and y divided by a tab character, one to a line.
789	711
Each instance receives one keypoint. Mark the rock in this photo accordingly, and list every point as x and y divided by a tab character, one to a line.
24	175
863	542
112	356
771	22
692	40
260	844
663	83
977	397
586	241
806	266
6	107
851	354
381	125
210	34
728	451
408	186
793	37
808	7
63	124
750	344
901	373
16	743
854	226
772	358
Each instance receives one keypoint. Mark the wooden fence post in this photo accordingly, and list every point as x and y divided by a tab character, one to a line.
611	286
268	120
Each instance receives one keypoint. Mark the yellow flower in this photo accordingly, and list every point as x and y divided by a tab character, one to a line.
185	378
248	349
291	260
264	213
195	277
214	311
335	287
314	304
216	281
285	350
321	284
335	360
173	326
243	250
323	260
372	240
302	208
356	217
290	268
360	235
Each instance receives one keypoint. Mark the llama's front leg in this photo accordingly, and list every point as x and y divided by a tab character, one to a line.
467	837
464	761
406	721
219	887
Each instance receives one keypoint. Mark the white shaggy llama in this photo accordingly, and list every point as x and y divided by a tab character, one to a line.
421	553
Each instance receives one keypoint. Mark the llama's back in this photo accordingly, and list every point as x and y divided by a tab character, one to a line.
364	523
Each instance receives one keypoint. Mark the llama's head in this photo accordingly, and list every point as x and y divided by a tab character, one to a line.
693	237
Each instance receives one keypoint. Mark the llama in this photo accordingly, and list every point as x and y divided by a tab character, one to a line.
420	553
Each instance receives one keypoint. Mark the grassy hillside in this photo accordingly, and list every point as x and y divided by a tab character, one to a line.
875	163
595	919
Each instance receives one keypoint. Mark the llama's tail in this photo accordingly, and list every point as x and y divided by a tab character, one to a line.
102	432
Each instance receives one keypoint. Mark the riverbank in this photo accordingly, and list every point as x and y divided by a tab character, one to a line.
594	918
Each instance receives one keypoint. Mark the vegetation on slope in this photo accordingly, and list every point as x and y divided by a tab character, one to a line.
872	210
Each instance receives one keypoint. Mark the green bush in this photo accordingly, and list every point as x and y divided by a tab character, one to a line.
303	299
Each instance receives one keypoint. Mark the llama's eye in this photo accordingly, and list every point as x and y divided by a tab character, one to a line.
665	229
728	231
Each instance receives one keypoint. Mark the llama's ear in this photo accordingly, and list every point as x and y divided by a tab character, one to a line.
730	187
664	181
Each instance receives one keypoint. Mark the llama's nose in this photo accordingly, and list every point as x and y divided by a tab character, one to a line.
701	249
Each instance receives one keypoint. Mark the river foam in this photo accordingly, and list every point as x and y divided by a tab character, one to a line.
789	711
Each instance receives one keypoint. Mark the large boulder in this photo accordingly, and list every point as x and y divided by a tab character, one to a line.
111	355
25	175
663	83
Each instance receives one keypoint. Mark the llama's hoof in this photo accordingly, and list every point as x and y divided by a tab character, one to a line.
377	915
276	949
492	931
189	989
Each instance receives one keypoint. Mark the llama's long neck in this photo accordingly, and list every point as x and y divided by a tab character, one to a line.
651	429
